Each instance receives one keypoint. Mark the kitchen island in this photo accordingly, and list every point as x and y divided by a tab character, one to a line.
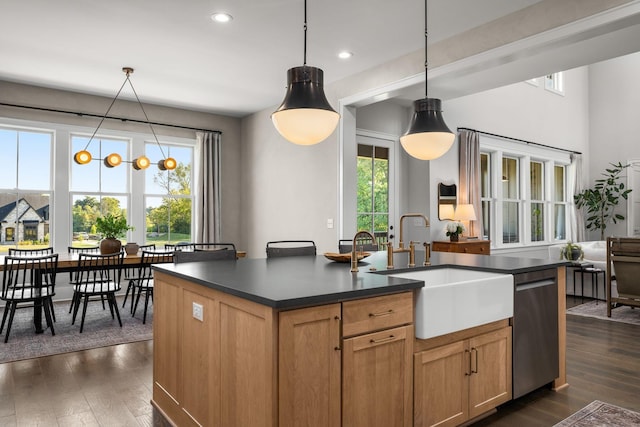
302	341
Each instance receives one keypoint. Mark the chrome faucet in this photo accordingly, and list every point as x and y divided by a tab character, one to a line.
412	244
354	251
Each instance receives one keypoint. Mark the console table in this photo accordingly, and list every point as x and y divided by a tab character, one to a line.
480	247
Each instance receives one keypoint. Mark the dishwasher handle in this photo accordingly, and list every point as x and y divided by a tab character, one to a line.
533	285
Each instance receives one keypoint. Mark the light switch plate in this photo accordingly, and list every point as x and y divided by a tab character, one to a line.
330	223
198	312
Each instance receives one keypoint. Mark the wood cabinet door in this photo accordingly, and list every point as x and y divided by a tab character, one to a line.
490	380
377	379
441	378
309	367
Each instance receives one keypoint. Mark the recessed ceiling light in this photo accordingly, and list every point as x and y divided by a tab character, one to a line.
221	17
345	54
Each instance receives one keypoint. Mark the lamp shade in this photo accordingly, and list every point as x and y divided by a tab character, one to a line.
141	162
305	117
82	157
167	164
112	160
465	212
428	136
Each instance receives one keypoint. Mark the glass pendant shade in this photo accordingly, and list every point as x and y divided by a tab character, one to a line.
113	160
82	157
141	162
305	117
167	164
428	136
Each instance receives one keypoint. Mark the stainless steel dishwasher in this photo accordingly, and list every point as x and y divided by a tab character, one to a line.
535	331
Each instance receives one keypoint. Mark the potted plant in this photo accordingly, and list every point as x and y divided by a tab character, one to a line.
454	230
572	252
601	200
111	227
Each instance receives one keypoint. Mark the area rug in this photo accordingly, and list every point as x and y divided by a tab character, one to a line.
99	331
623	313
601	414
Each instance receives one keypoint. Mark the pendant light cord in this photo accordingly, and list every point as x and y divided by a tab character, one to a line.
106	114
426	52
304	63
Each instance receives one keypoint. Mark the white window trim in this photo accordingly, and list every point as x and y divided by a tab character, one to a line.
497	148
61	161
555	84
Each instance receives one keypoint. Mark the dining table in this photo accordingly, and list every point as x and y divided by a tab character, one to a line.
69	262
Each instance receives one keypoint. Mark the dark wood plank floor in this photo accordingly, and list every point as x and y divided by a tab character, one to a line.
111	386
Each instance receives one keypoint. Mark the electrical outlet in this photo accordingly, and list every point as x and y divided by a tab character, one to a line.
330	223
198	312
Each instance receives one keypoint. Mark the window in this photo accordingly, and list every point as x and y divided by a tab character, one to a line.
554	83
373	190
25	187
527	204
96	189
537	201
168	197
510	200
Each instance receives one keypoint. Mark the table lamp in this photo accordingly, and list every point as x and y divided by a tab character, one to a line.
465	213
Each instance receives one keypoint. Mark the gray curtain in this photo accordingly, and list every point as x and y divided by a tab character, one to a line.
207	189
574	186
469	177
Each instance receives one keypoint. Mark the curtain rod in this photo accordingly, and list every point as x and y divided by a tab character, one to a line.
122	119
521	140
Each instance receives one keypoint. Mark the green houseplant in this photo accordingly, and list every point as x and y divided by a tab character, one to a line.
601	200
572	252
111	227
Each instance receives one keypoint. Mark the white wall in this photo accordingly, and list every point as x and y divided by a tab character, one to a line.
614	128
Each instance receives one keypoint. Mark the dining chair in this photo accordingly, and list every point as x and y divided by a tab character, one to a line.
28	282
144	280
97	276
212	246
130	274
286	248
345	246
180	246
85	249
180	257
30	252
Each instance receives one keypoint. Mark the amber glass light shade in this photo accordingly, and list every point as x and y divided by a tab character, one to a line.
82	157
167	164
141	162
305	117
113	160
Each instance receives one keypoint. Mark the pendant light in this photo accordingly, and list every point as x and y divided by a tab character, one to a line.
428	136
83	156
305	117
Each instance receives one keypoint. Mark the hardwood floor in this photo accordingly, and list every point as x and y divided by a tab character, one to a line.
111	386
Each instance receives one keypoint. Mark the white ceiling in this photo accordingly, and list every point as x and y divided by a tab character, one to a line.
181	58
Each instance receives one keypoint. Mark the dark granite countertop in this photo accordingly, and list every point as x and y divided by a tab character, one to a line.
294	282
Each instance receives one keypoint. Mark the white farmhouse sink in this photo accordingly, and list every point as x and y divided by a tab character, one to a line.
455	299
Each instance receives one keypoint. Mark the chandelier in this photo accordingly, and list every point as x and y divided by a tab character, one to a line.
112	160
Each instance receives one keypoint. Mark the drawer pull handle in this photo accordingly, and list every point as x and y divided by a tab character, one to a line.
389	338
382	313
474	354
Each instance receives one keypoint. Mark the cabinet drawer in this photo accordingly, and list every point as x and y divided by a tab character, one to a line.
372	314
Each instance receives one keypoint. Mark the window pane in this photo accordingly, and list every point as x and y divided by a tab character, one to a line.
373	189
537	180
86	208
365	184
510	222
168	220
365	222
25	220
381	185
537	222
381	224
509	178
560	232
34	160
486	219
558	182
9	149
95	176
485	177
